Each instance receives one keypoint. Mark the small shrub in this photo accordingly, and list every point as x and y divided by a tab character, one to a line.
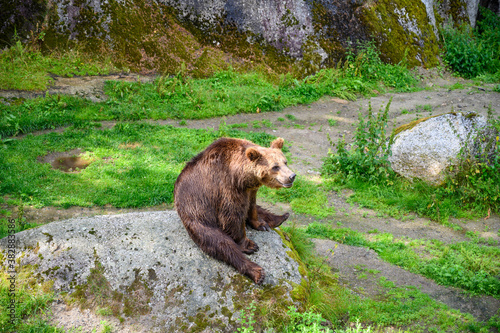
332	122
472	52
368	158
477	183
306	322
247	319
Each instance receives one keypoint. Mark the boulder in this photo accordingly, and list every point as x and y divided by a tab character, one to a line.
162	34
428	147
146	269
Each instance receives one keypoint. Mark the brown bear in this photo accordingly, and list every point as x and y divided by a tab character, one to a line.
215	197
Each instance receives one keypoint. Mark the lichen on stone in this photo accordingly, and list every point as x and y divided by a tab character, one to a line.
400	27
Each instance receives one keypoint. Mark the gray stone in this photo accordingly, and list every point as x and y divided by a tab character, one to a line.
153	249
428	147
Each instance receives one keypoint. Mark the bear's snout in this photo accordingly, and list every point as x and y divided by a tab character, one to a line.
289	181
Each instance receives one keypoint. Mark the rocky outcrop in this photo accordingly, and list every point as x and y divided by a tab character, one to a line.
428	147
161	34
149	273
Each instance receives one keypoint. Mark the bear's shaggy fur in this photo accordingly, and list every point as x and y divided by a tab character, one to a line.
215	197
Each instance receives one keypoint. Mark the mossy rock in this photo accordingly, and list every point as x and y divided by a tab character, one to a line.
145	270
204	37
402	27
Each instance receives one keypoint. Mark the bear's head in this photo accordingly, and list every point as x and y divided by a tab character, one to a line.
270	165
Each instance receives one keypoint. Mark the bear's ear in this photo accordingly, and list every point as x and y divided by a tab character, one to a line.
252	154
278	143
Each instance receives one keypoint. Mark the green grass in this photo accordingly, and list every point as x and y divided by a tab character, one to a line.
403	308
226	93
178	97
140	175
22	69
31	303
466	265
304	197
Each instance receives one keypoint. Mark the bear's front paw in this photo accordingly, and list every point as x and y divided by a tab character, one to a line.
249	246
260	225
263	227
257	274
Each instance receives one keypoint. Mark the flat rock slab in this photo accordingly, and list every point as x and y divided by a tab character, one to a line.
149	258
351	260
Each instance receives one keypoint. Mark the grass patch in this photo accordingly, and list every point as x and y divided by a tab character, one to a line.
304	197
466	265
134	165
225	93
31	302
396	307
23	69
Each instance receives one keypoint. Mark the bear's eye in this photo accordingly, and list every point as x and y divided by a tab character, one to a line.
276	168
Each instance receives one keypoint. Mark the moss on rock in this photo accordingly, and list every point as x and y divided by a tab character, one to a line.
401	28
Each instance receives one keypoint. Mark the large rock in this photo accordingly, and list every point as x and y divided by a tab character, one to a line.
148	271
161	34
426	148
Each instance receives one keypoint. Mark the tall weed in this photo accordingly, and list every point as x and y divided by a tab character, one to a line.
367	159
472	52
368	65
477	183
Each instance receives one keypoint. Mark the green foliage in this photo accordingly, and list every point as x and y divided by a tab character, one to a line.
134	165
395	307
474	52
25	69
323	292
472	191
304	197
368	158
465	265
247	319
368	66
31	302
306	322
476	185
180	97
332	122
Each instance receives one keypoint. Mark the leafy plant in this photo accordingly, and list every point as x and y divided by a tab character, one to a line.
368	158
247	319
306	322
477	183
471	52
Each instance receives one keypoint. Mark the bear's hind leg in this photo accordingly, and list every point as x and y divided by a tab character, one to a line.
271	219
219	245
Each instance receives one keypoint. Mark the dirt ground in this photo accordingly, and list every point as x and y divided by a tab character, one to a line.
307	131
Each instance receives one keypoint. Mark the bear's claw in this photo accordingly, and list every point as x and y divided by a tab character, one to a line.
258	275
249	247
